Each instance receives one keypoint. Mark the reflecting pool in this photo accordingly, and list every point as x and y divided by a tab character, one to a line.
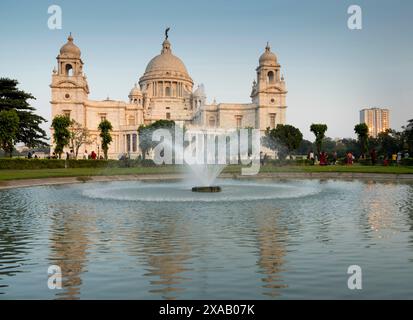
257	239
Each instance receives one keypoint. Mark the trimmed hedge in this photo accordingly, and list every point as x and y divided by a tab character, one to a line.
407	162
19	164
288	162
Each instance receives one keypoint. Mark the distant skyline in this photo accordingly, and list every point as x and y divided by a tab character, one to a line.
331	72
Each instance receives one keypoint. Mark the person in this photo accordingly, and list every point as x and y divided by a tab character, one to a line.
67	155
93	155
335	157
311	156
29	155
323	158
262	158
399	157
72	154
350	158
393	158
85	155
406	154
373	156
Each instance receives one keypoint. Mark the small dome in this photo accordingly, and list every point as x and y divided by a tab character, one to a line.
166	61
135	91
69	49
268	58
200	91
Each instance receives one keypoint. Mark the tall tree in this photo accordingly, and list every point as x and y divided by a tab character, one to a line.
362	131
9	127
61	133
105	127
319	131
408	133
390	142
79	136
11	98
284	136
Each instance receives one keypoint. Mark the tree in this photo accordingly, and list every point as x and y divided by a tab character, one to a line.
105	128
390	142
362	131
79	136
12	98
319	131
145	134
305	147
9	127
408	134
284	138
61	133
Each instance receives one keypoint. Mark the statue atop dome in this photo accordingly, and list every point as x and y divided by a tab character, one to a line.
166	33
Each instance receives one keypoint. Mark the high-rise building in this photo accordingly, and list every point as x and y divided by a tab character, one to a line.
378	120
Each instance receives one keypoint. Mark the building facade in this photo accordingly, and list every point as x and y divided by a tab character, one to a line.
165	91
378	120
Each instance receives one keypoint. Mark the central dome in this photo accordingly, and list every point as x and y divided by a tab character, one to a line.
166	61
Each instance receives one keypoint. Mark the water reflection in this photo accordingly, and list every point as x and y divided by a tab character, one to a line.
15	241
381	215
159	240
270	248
271	240
68	249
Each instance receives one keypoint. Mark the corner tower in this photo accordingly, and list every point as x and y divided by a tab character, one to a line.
69	85
269	92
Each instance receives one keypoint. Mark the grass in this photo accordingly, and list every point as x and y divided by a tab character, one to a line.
83	173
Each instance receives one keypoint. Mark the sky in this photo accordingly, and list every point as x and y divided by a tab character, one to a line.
331	72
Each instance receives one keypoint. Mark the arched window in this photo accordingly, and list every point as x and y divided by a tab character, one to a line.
270	77
69	70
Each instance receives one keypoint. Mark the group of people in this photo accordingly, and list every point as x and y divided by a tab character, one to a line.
322	159
32	155
395	158
69	155
86	155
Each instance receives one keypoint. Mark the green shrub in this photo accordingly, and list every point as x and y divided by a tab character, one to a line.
407	162
19	164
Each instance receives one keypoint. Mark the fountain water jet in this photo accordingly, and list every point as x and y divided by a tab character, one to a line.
203	165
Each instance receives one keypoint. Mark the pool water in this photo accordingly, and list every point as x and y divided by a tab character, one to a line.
257	239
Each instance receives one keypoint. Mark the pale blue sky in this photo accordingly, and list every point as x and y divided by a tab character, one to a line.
331	72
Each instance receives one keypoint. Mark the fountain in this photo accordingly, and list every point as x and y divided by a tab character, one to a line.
207	189
205	176
200	160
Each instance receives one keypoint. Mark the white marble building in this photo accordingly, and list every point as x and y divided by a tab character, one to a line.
165	91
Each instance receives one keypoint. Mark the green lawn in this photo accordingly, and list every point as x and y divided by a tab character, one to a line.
81	172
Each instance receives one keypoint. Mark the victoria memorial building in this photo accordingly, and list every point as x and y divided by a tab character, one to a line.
165	91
